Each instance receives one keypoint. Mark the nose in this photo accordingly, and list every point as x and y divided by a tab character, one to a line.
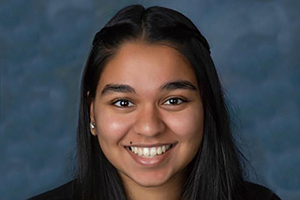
148	122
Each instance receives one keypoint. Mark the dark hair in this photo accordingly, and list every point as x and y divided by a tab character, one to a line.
215	172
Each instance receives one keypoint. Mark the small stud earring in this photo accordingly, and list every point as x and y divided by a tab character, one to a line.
92	125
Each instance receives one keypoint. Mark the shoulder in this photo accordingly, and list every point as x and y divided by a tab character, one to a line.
258	192
63	192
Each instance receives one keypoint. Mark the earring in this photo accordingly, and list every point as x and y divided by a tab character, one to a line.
92	125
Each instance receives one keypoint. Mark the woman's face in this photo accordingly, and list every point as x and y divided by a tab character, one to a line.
148	113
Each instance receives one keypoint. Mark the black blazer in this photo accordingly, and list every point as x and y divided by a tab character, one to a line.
69	191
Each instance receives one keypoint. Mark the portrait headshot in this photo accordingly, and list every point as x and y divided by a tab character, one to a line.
142	100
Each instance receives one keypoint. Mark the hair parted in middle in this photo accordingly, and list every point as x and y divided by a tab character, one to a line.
215	172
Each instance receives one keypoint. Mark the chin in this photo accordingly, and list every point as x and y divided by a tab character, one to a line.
152	179
150	183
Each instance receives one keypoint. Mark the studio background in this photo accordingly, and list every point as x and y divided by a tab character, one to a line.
255	45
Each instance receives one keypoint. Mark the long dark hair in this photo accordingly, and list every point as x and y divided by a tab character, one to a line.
215	172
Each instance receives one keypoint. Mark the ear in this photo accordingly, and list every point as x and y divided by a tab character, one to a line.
92	117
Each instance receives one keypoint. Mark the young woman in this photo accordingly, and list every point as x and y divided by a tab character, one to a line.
153	123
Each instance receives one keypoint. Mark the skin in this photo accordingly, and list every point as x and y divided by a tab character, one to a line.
148	115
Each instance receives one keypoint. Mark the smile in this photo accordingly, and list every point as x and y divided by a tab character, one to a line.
150	152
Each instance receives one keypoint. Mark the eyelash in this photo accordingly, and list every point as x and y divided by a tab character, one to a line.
129	102
121	100
177	99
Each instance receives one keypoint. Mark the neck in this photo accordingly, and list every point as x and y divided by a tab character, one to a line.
170	190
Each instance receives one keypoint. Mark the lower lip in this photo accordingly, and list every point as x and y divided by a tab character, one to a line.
151	162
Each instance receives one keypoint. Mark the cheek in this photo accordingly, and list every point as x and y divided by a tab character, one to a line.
187	125
111	128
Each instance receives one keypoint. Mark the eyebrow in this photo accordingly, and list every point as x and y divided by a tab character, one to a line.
117	88
169	86
179	84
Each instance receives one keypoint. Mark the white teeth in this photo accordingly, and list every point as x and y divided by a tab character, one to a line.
150	152
140	151
135	150
146	152
158	151
163	149
153	151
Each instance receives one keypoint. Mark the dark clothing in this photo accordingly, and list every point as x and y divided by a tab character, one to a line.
258	192
69	191
63	192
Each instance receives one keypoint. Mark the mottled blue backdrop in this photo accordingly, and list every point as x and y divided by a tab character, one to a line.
44	44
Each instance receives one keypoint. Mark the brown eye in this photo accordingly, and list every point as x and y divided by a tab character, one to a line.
122	103
174	101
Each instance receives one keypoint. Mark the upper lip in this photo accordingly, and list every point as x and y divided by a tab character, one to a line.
151	145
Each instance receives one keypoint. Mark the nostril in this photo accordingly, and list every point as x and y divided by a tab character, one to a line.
148	122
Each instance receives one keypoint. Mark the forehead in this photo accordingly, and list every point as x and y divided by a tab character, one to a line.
140	64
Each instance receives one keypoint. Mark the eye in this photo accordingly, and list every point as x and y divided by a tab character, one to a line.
122	103
174	101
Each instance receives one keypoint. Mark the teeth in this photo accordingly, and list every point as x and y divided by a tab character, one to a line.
163	149
153	151
159	151
146	152
150	152
140	151
135	150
